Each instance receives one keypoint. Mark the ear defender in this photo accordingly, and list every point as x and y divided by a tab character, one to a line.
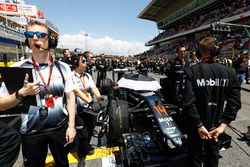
215	51
75	61
52	41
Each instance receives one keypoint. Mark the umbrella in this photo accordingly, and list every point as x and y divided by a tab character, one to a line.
139	82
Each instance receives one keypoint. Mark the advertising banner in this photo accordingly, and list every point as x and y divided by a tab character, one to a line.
238	44
11	8
21	10
2	7
8	8
28	10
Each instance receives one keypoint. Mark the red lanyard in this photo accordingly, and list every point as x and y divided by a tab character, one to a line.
40	74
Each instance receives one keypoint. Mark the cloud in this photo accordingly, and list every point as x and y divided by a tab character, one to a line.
105	44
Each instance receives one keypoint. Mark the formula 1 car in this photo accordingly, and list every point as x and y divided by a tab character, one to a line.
141	123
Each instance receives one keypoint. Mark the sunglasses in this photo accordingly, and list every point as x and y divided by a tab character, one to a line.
84	61
30	34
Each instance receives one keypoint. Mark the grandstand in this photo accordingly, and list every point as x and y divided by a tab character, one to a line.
14	16
187	21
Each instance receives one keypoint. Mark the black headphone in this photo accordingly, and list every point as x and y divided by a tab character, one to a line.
214	51
52	41
75	60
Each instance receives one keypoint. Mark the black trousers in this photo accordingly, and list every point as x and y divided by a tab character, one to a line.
85	124
9	145
35	148
101	75
201	151
119	75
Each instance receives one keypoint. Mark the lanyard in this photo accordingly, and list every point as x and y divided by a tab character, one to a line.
40	74
83	83
208	59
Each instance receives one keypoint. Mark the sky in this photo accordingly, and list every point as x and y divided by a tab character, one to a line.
112	25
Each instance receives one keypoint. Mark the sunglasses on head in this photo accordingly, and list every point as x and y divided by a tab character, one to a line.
30	34
84	61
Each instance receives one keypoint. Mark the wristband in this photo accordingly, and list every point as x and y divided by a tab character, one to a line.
19	96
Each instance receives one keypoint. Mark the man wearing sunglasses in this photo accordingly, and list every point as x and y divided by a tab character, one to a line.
89	55
49	123
85	122
174	70
175	82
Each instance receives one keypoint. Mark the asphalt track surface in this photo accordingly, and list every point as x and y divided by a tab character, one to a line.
236	156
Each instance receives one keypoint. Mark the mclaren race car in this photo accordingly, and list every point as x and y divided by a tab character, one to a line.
142	124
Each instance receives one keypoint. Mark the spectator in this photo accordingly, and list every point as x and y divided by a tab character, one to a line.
241	66
193	59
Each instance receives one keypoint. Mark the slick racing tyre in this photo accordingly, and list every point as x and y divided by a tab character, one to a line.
118	120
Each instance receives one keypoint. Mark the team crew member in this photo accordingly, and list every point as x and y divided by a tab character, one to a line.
90	63
174	70
49	123
121	65
9	137
101	66
208	86
85	121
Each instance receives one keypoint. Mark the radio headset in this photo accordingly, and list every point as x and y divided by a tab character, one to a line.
75	58
214	51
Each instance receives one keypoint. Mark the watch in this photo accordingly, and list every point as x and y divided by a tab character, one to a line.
19	96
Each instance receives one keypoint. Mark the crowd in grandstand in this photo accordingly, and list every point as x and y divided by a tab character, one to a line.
9	25
229	9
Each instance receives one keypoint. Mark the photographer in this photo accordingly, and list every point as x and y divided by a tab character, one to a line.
142	68
66	57
208	86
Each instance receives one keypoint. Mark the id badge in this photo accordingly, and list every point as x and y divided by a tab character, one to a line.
43	111
49	101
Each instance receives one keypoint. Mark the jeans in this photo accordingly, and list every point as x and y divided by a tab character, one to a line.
241	78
